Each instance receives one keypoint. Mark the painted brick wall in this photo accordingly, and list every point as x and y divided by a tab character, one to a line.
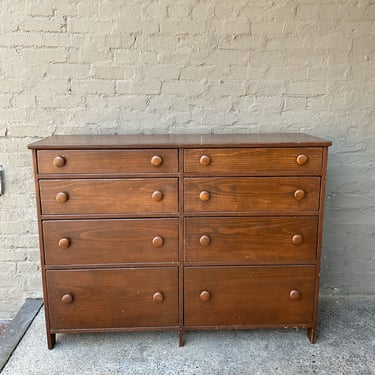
156	66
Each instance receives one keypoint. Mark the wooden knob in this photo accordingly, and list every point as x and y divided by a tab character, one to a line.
297	239
67	298
302	159
62	197
299	195
205	296
59	161
64	242
204	196
204	240
158	241
205	160
295	295
156	161
158	297
157	196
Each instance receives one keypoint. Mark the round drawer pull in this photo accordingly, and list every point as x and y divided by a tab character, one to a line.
59	161
158	297
157	241
156	161
302	159
205	296
297	239
204	196
299	195
157	196
64	242
62	197
204	240
295	295
205	160
67	298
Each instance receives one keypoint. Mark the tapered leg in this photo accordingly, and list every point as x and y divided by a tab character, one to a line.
181	337
311	334
51	339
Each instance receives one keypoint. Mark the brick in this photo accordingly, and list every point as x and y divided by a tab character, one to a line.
44	55
59	101
161	72
86	25
21	39
182	88
111	72
139	87
127	56
92	86
227	57
218	89
63	70
241	42
5	100
307	88
44	24
189	27
137	26
308	11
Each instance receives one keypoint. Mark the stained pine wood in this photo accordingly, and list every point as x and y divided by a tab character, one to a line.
248	295
249	194
95	242
180	231
107	161
129	141
250	239
104	196
113	298
253	161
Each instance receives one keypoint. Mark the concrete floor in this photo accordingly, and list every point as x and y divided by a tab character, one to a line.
346	345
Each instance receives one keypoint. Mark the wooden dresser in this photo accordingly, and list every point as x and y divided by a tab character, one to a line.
180	232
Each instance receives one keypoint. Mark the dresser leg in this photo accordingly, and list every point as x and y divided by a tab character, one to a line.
51	339
311	334
181	337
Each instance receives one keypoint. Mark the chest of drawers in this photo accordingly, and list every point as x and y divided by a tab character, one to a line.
180	232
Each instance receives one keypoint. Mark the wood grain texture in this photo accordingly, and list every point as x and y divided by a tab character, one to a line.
248	295
178	140
253	161
249	194
180	231
107	161
103	196
250	239
113	298
110	241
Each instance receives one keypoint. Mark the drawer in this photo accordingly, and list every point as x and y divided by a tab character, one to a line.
117	298
109	196
219	296
236	194
254	161
108	161
250	239
110	241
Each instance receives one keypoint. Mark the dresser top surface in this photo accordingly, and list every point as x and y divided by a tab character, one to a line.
177	140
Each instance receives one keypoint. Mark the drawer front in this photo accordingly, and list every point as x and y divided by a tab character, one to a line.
251	193
250	239
254	161
110	241
109	196
113	298
219	296
107	161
